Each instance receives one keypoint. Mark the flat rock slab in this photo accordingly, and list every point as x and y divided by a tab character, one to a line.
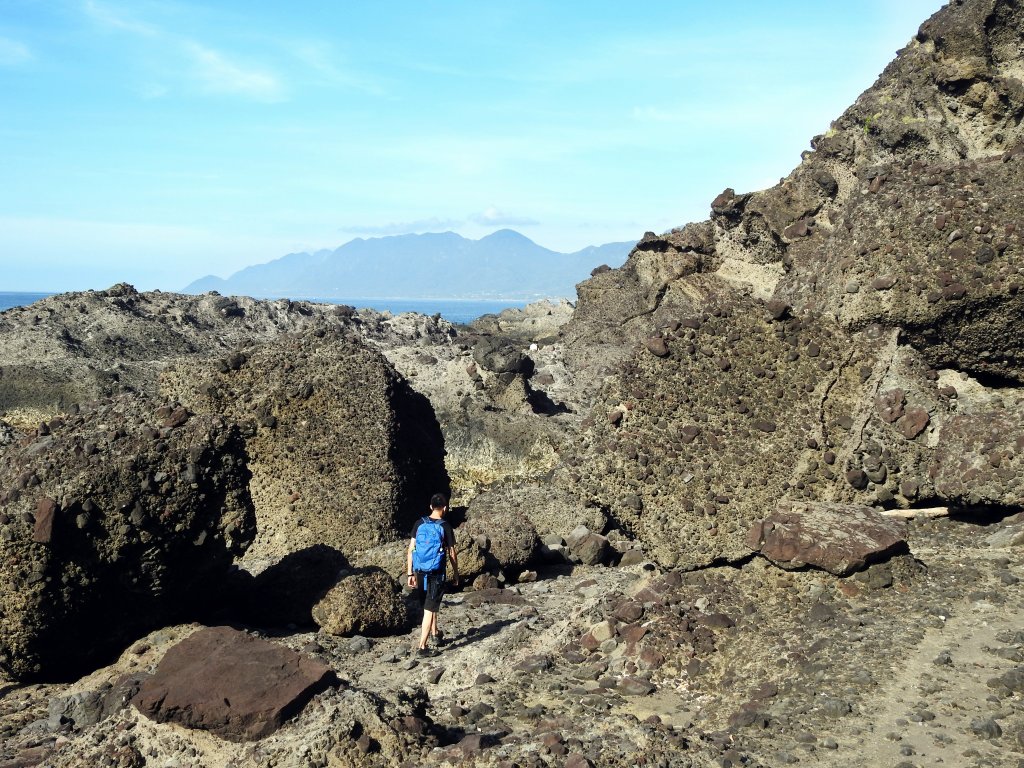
838	538
236	686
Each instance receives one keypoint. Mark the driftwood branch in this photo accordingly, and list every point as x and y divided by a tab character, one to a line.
910	514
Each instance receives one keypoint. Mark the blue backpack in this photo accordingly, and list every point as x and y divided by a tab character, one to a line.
428	554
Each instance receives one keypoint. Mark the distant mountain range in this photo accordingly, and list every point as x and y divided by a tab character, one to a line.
503	265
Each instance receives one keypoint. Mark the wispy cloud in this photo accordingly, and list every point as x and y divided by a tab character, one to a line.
491	217
106	16
218	74
433	224
13	53
494	217
212	70
323	60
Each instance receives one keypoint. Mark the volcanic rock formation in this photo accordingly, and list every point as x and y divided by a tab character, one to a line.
116	520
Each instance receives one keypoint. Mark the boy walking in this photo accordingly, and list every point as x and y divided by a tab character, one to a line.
432	540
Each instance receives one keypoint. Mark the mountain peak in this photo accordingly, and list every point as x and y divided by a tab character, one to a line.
506	236
504	264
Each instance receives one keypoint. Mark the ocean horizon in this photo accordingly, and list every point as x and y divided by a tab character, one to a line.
453	310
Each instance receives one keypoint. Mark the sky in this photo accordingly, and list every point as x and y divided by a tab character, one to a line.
158	141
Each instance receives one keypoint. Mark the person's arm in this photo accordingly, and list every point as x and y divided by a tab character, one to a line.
455	566
410	577
449	540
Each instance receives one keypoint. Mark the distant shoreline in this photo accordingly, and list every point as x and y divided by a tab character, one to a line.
455	310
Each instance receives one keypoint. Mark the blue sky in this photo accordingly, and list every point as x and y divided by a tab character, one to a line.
157	141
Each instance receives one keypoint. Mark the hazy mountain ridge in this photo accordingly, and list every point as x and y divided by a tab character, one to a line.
504	265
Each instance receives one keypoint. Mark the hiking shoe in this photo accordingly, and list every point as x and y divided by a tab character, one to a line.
425	652
438	638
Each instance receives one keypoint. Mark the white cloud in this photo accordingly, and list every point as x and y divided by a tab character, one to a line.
13	53
220	75
494	217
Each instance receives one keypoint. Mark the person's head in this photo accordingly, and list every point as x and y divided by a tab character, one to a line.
438	501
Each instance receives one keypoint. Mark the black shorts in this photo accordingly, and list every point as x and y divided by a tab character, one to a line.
434	591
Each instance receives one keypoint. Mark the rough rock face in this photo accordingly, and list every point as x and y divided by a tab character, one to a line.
979	457
234	685
76	347
114	520
342	451
506	536
537	322
367	603
838	538
834	338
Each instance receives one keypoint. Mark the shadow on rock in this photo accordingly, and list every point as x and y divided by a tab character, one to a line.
476	634
286	592
544	405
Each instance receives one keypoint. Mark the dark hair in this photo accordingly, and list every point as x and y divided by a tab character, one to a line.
438	500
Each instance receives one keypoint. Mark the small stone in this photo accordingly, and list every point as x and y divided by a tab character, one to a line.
656	346
986	728
631	686
857	478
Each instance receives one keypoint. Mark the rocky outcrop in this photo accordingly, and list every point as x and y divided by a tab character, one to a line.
341	450
539	322
807	341
550	509
115	520
234	685
367	602
76	347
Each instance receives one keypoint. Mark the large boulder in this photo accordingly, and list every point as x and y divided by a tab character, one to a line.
685	450
504	533
367	602
838	538
115	520
237	686
342	451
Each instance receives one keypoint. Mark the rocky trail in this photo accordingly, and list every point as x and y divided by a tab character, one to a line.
678	503
916	664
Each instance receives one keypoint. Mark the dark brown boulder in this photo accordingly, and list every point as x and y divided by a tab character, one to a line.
838	538
234	685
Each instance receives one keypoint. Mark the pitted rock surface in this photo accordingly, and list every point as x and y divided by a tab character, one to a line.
367	602
113	524
234	685
508	538
980	454
838	538
343	453
824	311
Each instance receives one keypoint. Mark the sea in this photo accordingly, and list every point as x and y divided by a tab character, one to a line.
452	310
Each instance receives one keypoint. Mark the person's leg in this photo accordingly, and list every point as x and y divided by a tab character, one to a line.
436	596
429	618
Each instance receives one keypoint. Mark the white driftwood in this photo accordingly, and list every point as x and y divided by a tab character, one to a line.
910	514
